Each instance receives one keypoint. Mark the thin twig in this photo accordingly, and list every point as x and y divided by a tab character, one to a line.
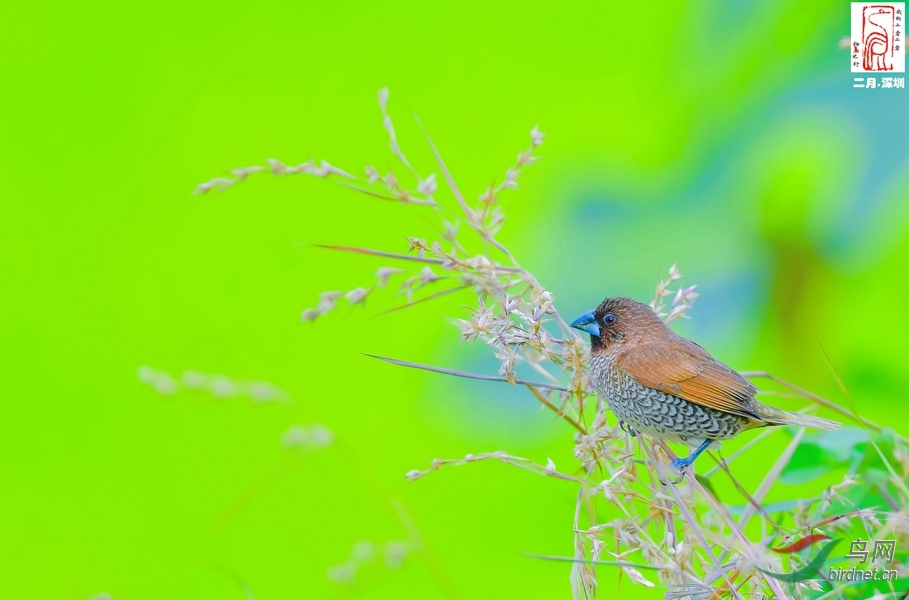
453	290
820	400
465	374
772	476
375	194
545	402
752	501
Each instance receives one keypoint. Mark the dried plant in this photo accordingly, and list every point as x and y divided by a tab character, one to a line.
217	386
392	553
627	516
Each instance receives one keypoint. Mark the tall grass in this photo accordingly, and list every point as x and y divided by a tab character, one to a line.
628	515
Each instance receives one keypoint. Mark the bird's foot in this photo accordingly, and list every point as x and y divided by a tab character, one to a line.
680	465
627	429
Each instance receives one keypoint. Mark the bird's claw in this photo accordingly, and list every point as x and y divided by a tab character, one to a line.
628	429
680	465
675	481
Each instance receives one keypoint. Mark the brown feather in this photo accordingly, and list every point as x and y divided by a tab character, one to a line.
684	369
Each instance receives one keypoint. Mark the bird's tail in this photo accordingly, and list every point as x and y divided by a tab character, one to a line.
775	416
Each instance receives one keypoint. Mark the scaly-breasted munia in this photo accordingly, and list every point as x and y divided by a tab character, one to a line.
661	384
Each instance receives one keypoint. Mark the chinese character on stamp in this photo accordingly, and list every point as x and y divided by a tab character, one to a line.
877	37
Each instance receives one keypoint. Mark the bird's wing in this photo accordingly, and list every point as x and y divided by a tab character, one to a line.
689	372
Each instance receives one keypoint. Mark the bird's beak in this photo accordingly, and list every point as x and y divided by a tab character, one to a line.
587	322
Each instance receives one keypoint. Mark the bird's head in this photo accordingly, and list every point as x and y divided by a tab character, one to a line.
619	321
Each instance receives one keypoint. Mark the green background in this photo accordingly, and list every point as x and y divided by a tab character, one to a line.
725	137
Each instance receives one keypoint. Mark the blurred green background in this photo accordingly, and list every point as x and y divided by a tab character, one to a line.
726	138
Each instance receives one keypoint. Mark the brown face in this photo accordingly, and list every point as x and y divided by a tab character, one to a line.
617	321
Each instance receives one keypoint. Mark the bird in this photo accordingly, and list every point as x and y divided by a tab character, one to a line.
663	385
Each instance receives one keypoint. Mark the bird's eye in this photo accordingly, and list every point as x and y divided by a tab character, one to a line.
609	319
